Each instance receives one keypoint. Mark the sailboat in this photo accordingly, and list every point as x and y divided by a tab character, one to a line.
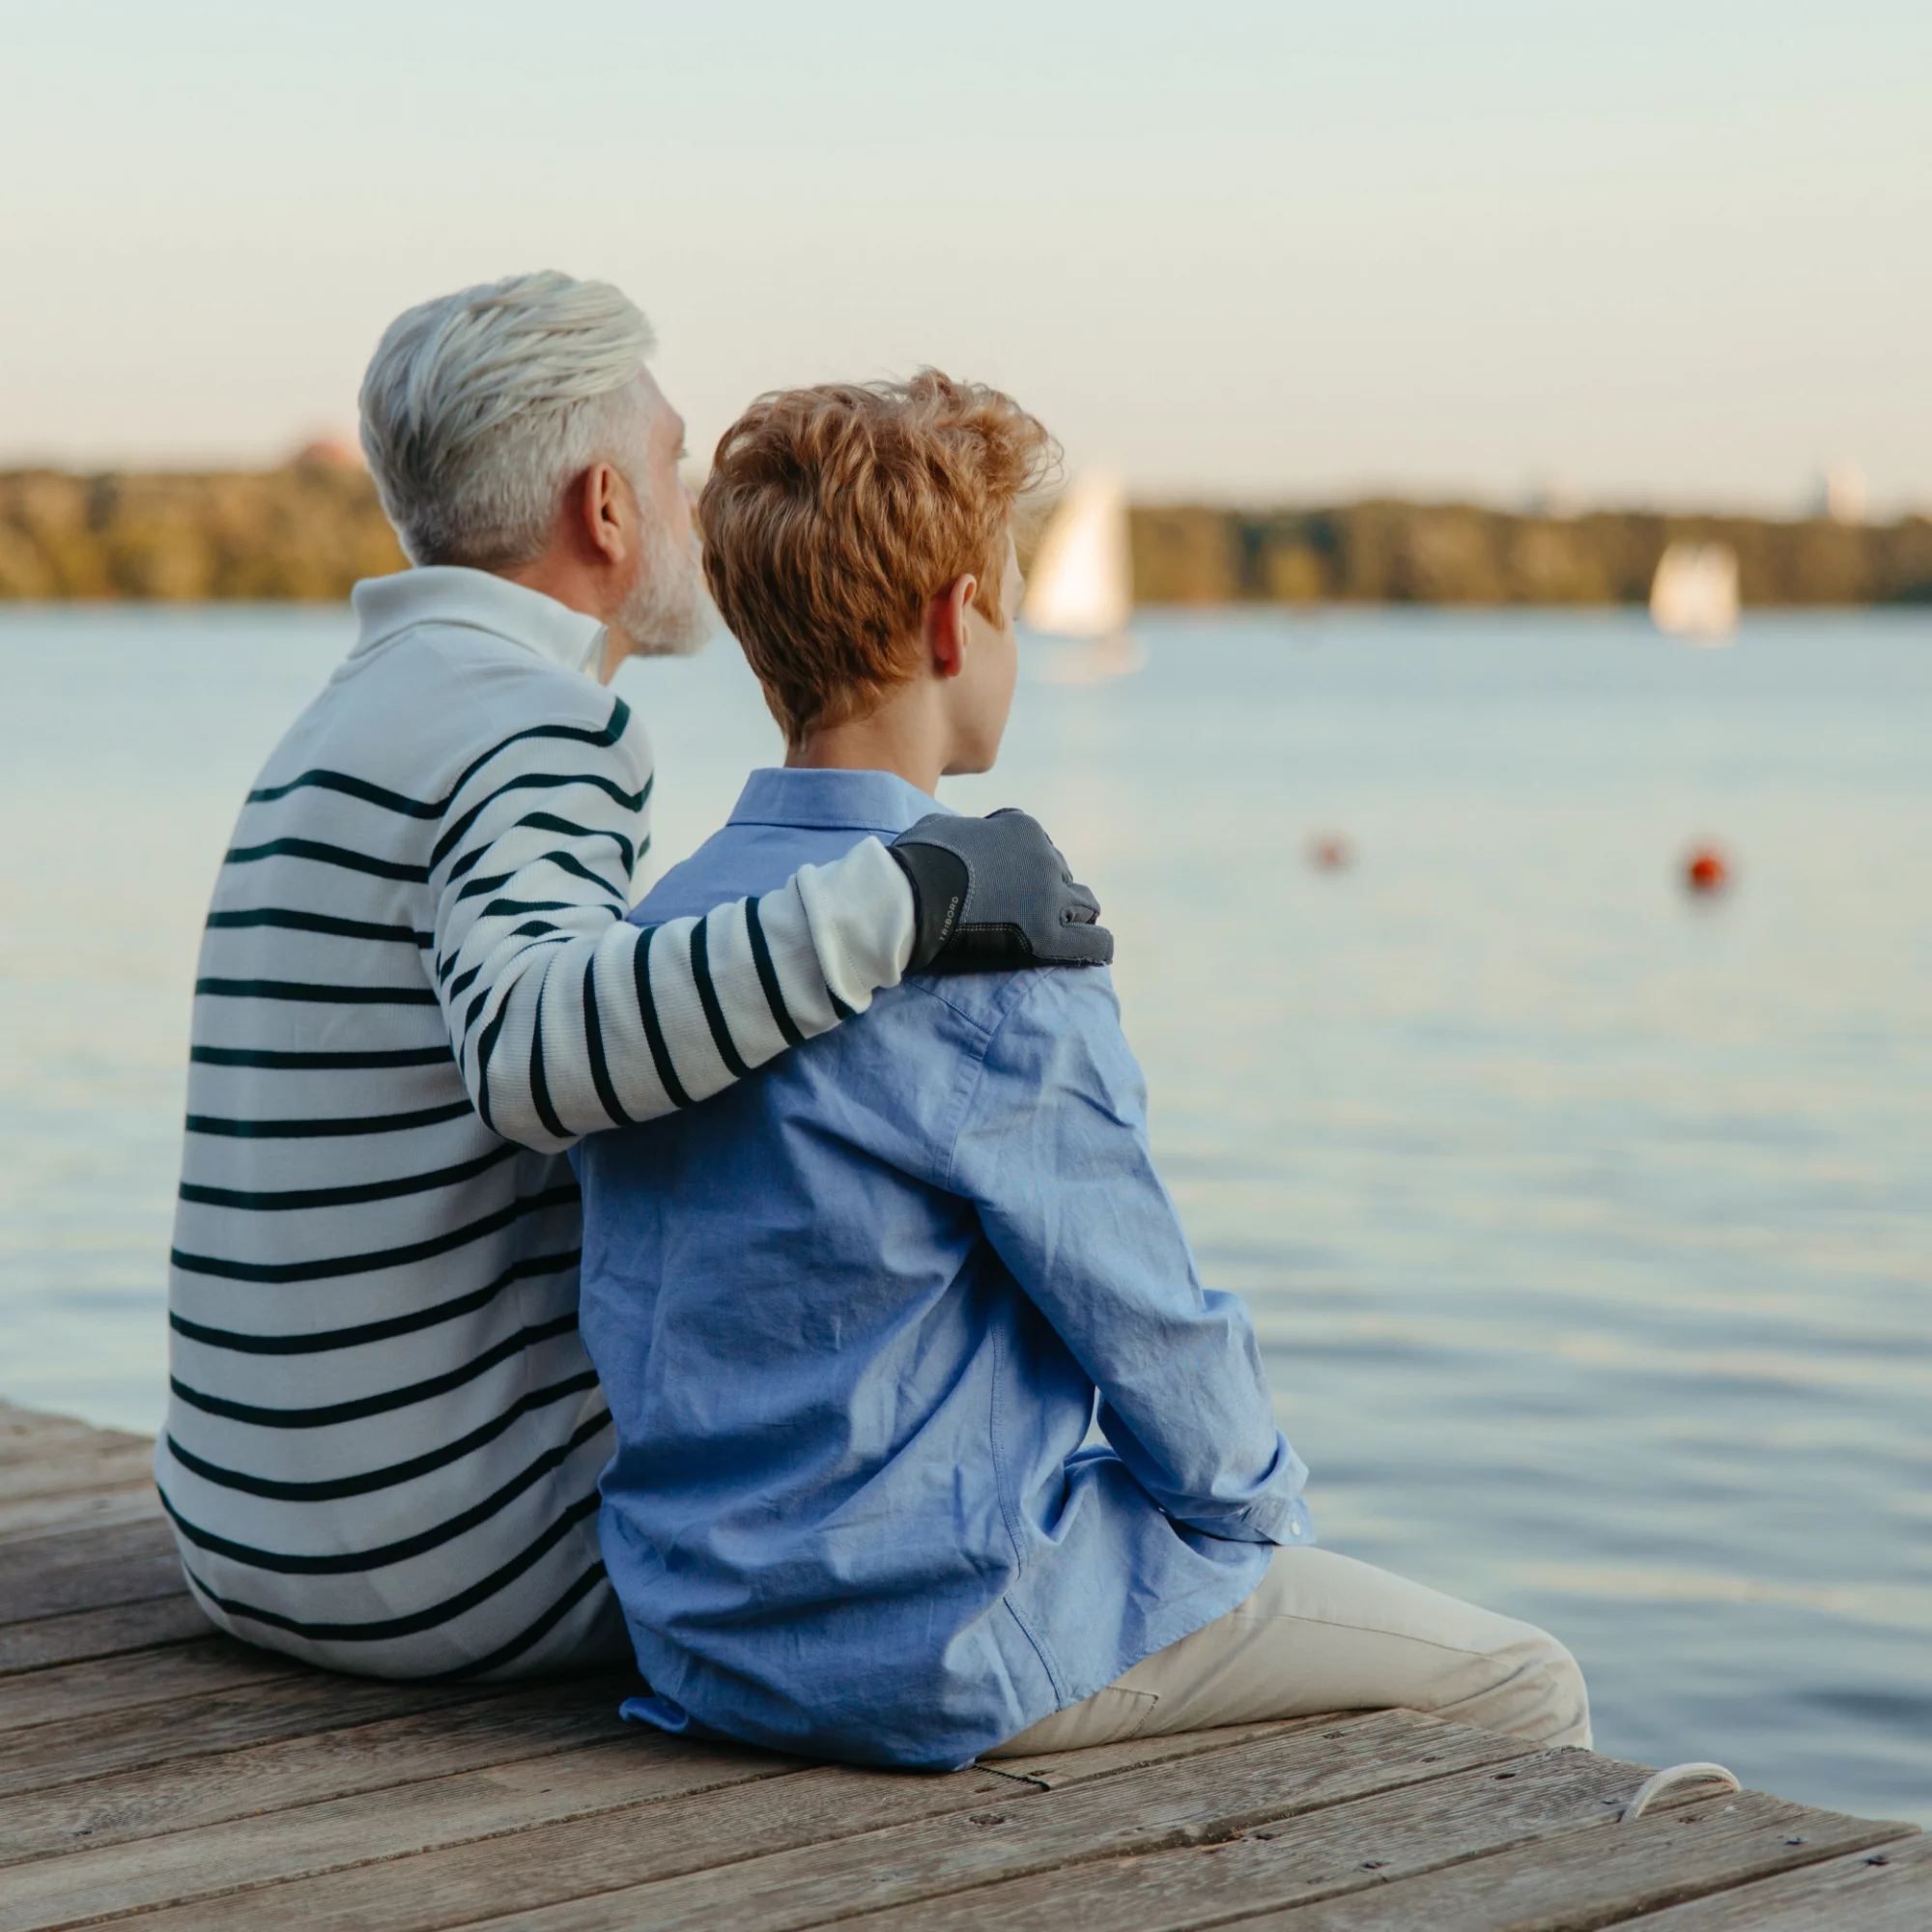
1695	593
1080	592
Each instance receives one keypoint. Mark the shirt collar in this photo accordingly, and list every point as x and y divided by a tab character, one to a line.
832	800
478	600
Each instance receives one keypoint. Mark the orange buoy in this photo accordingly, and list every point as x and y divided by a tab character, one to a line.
1706	870
1329	853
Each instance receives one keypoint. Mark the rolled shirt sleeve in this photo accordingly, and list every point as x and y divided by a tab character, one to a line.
1052	1152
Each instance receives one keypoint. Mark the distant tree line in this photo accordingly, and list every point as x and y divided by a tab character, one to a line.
312	528
306	531
1385	552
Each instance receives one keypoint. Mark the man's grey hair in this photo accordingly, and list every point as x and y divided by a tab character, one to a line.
480	407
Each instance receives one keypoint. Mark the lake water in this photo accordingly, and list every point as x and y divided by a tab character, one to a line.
1588	1228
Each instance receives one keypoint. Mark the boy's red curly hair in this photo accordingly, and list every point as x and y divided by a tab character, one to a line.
832	514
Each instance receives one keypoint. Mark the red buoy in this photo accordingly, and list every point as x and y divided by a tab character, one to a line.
1706	870
1329	853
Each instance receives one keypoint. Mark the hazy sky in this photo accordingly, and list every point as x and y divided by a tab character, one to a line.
1645	251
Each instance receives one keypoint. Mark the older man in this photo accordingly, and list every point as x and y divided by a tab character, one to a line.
418	988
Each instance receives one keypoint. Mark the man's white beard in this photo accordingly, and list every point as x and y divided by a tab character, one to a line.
670	613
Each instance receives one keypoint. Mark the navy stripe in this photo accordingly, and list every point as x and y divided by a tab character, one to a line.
354	1561
631	802
707	997
485	1047
541	936
768	977
326	855
335	1267
539	1084
420	1620
297	1198
593	1040
389	1400
255	1056
351	787
549	821
531	1633
575	734
323	996
323	1341
366	1484
326	1128
516	908
647	1011
287	919
564	862
411	807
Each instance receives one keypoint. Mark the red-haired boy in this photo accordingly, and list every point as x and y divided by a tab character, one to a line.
856	1318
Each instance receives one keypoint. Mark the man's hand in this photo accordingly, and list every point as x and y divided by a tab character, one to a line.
994	894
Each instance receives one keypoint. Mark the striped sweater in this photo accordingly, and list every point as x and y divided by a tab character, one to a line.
417	989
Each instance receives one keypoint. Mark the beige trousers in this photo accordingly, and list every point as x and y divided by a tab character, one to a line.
1323	1633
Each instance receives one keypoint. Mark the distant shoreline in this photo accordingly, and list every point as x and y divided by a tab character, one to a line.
1390	551
308	531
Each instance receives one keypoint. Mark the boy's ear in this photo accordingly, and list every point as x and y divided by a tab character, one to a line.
945	624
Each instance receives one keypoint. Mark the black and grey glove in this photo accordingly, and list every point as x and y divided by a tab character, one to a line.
993	894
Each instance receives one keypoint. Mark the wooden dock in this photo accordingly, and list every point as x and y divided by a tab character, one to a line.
154	1769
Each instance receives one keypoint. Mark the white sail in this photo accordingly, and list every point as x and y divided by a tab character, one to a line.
1081	585
1695	593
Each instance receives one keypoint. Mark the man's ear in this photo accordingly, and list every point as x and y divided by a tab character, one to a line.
602	508
946	626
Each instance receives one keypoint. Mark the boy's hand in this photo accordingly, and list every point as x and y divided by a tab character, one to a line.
994	894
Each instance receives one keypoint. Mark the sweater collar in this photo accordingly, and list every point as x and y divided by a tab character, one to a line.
476	600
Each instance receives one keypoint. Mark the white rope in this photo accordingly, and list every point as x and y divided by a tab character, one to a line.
1662	1781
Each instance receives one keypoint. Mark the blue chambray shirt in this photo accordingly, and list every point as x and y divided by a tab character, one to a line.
854	1317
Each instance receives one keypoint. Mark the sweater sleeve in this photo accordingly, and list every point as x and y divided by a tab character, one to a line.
565	1018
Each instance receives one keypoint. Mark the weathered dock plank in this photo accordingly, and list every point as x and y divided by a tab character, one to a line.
1582	1880
58	1476
77	1636
1054	1771
1298	1860
28	1435
187	1866
1886	1891
38	1755
180	1795
462	1884
38	1515
122	1463
65	1693
31	1456
156	1772
87	1569
1138	1811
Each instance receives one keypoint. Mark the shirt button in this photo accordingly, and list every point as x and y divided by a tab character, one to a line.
1295	1529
